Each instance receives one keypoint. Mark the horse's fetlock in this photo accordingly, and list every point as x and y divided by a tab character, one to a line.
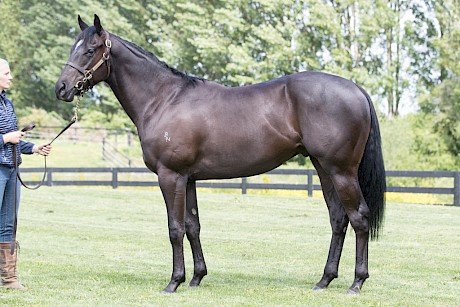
362	274
331	275
178	278
201	270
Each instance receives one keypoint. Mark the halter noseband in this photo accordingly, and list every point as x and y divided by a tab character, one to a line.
88	73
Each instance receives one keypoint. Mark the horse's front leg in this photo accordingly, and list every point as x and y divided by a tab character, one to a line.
192	229
173	186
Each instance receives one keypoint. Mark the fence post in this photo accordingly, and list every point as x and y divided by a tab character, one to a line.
49	177
114	178
103	149
457	189
244	182
310	182
128	131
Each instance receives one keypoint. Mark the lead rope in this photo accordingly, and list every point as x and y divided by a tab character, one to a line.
76	110
18	177
15	223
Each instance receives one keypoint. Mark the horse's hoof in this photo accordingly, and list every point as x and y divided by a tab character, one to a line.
353	291
171	288
194	283
317	288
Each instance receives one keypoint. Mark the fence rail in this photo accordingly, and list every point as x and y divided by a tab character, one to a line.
309	185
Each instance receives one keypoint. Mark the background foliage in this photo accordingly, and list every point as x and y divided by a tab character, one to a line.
405	53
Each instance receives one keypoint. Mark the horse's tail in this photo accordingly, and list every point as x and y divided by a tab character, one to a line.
371	173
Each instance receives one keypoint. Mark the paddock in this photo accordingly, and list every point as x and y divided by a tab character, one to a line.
105	247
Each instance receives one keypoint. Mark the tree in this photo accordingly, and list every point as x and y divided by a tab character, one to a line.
392	48
38	40
442	99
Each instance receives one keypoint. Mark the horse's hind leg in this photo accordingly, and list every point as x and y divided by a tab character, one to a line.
339	224
192	229
347	186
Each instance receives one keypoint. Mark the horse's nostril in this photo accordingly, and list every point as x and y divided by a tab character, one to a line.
60	90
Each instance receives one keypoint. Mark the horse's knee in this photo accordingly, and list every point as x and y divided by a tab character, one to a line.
192	229
176	234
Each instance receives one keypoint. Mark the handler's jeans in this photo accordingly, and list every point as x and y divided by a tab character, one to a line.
7	185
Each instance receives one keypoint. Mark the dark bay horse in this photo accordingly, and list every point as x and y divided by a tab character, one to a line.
193	129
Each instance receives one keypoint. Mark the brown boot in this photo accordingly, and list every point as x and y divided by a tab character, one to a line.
8	273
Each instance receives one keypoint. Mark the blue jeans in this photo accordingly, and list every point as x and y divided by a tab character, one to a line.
7	185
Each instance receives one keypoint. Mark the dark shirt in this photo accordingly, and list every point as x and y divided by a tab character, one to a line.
9	123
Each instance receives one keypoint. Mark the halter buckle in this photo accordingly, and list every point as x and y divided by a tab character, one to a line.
79	85
88	75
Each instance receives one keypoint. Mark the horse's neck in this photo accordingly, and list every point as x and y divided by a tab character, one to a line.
138	83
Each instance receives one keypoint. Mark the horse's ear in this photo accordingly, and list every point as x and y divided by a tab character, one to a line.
97	24
82	24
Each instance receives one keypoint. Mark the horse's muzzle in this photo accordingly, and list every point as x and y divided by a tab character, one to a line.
63	92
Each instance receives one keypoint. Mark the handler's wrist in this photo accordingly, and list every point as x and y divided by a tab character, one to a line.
35	149
7	138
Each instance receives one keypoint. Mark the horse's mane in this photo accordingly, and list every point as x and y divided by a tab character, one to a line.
189	80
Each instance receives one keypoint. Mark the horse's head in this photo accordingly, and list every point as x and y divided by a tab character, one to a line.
85	66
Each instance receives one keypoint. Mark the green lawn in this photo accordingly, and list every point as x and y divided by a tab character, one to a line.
104	247
69	154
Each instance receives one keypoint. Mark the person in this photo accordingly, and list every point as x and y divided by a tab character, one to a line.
10	135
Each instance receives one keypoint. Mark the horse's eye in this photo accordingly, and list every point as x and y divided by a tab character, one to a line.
90	52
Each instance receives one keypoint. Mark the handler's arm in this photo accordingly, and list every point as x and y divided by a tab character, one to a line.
26	147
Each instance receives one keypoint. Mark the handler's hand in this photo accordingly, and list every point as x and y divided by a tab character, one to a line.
43	149
13	137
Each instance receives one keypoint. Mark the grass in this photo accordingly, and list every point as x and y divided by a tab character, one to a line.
104	247
69	154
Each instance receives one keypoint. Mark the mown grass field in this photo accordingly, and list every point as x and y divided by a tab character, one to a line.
104	247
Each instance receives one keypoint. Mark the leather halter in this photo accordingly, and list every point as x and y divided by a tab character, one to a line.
82	85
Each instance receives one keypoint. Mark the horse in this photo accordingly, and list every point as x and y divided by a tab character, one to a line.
194	129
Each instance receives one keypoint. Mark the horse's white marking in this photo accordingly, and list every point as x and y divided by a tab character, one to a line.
80	42
167	137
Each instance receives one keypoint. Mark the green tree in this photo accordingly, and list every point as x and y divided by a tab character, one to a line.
441	97
393	48
38	41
